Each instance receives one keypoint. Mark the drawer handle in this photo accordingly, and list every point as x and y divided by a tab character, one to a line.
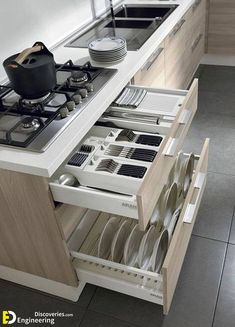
170	149
196	4
195	44
184	117
153	58
190	210
178	27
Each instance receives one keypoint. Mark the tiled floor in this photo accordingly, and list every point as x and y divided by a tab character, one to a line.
205	294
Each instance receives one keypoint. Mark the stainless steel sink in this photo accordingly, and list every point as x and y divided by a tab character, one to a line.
129	24
143	11
135	23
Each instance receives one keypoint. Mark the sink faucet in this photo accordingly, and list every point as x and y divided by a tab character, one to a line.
111	10
110	2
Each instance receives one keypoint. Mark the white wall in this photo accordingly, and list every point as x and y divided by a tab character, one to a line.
22	22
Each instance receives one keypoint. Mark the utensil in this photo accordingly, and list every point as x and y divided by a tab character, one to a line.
127	135
157	217
32	73
106	238
150	119
119	241
131	248
130	98
146	247
188	173
68	179
170	204
131	153
159	252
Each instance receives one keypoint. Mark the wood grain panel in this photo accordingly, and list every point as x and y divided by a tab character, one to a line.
152	74
157	175
179	244
30	237
221	29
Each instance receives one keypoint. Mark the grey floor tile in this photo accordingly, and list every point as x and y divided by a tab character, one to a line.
216	210
195	297
86	295
225	312
25	302
214	102
217	78
220	129
100	320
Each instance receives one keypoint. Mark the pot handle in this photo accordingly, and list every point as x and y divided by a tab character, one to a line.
24	54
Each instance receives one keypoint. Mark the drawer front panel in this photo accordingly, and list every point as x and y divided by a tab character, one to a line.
138	206
152	74
176	253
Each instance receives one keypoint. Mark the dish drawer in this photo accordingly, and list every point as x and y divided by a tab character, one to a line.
150	286
140	204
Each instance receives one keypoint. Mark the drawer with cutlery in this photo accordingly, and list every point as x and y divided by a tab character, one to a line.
122	164
112	251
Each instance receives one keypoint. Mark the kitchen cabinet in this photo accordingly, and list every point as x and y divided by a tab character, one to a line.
174	63
45	231
221	27
184	47
152	73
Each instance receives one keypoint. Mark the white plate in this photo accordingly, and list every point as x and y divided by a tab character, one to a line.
131	248
119	241
159	252
106	59
107	44
106	238
159	210
188	173
108	52
146	247
171	226
171	202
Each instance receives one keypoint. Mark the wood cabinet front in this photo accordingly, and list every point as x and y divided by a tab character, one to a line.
152	74
221	29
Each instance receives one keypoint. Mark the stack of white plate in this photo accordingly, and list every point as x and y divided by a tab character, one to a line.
108	50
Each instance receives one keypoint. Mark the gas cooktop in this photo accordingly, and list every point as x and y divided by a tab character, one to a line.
34	124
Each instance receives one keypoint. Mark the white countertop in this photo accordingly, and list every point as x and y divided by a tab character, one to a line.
45	164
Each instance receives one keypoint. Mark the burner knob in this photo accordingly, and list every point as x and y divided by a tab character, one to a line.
83	93
89	87
64	112
77	98
71	105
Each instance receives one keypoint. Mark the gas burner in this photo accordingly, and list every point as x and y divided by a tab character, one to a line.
78	78
32	102
35	123
29	124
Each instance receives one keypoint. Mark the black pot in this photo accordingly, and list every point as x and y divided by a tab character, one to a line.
32	73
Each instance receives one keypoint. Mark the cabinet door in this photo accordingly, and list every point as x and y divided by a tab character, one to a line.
152	74
196	39
221	34
176	61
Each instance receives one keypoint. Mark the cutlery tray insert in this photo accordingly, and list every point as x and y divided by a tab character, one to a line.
108	156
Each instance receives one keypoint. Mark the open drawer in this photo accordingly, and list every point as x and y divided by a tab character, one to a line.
154	287
140	203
